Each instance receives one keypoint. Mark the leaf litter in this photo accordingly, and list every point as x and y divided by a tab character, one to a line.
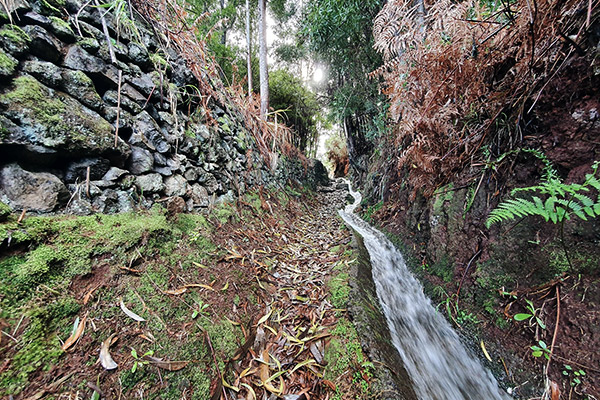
267	279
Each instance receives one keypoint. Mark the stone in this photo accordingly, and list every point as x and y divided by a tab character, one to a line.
80	206
147	131
8	64
62	30
191	174
81	87
44	71
114	201
150	183
50	7
111	97
199	196
33	18
81	60
77	170
114	174
174	164
14	40
34	191
144	84
175	205
139	55
209	182
89	44
42	44
175	185
160	159
164	171
55	120
132	93
140	161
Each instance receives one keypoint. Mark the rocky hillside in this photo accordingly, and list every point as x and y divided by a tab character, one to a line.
99	114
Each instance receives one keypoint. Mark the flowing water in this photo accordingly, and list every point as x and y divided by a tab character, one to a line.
438	363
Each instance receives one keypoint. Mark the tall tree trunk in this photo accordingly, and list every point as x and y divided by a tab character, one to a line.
264	72
224	33
249	42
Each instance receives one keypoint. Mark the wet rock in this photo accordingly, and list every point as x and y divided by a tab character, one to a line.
34	191
191	174
14	40
144	84
175	185
160	159
81	87
140	161
42	44
114	201
132	93
150	183
209	182
113	174
8	64
62	30
111	97
48	117
147	131
89	44
199	196
81	60
46	72
138	54
77	171
33	18
164	171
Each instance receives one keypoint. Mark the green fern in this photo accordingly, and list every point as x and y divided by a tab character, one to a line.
561	201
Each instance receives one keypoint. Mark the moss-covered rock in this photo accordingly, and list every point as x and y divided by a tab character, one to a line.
62	29
14	40
8	64
56	121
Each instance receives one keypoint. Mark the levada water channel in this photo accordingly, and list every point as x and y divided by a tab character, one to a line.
437	362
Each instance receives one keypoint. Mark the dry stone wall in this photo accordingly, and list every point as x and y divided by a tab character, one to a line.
62	95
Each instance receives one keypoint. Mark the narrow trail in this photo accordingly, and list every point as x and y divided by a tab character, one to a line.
286	352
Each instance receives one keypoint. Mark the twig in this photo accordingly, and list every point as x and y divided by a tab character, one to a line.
118	108
212	352
465	274
22	216
10	336
555	328
113	58
87	181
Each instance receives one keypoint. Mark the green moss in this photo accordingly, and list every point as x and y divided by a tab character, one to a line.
61	27
41	347
7	64
52	7
5	211
443	268
30	99
339	290
442	195
15	35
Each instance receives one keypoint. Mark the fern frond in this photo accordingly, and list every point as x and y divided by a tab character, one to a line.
562	201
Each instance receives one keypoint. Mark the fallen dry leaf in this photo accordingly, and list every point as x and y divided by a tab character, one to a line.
168	365
130	313
105	358
76	335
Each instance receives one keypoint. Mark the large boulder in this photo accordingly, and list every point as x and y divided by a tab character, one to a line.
54	120
34	191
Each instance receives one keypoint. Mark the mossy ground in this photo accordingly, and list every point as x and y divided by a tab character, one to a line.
200	283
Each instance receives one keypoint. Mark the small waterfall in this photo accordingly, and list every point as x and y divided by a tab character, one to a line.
438	363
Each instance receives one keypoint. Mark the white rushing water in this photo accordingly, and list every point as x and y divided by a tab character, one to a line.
434	357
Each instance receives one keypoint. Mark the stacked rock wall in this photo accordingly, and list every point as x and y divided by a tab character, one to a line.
62	93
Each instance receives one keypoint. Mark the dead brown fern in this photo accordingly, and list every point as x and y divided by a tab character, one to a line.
467	75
